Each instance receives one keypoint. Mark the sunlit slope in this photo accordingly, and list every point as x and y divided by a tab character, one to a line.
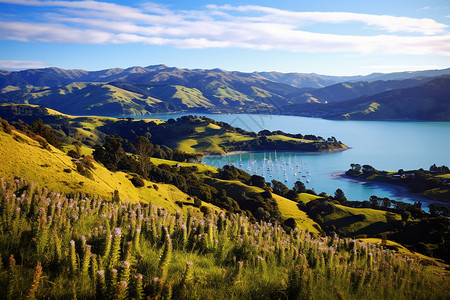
405	251
181	95
87	98
353	221
23	157
287	207
208	138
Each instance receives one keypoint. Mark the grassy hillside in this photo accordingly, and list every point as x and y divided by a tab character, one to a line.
23	157
88	98
351	221
207	138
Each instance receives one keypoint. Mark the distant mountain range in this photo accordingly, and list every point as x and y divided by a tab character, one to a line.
159	88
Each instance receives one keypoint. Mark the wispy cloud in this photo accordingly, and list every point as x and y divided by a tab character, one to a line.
21	64
249	26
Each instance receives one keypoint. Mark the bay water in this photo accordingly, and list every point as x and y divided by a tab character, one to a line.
385	145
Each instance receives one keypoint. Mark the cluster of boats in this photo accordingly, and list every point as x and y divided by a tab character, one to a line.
274	166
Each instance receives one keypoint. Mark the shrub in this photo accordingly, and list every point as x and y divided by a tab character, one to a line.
361	217
197	202
81	168
5	126
205	210
137	181
73	153
68	170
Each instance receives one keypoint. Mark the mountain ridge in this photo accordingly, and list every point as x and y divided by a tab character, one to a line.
159	88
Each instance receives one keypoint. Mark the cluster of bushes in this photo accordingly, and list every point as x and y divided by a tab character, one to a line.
56	247
439	170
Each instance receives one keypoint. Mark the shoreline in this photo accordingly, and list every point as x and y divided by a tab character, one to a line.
209	154
398	190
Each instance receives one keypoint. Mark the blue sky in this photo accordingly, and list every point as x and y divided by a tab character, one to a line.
325	37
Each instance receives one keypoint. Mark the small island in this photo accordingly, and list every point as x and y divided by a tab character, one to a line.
433	183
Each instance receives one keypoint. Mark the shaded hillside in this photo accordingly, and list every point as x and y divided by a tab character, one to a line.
348	90
428	101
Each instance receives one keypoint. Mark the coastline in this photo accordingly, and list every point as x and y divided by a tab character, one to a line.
399	190
209	154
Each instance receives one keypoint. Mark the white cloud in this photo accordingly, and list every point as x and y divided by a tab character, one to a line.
249	26
21	64
383	22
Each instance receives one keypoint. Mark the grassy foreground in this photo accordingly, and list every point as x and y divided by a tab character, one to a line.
52	246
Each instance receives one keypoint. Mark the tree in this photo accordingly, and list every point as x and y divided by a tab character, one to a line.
299	187
144	150
355	168
258	181
111	153
279	188
340	196
368	170
406	215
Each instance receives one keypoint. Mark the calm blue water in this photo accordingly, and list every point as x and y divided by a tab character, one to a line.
386	145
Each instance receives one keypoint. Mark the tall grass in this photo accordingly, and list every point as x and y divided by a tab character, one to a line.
57	246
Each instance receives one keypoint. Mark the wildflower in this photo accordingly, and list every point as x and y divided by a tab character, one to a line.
125	264
118	232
